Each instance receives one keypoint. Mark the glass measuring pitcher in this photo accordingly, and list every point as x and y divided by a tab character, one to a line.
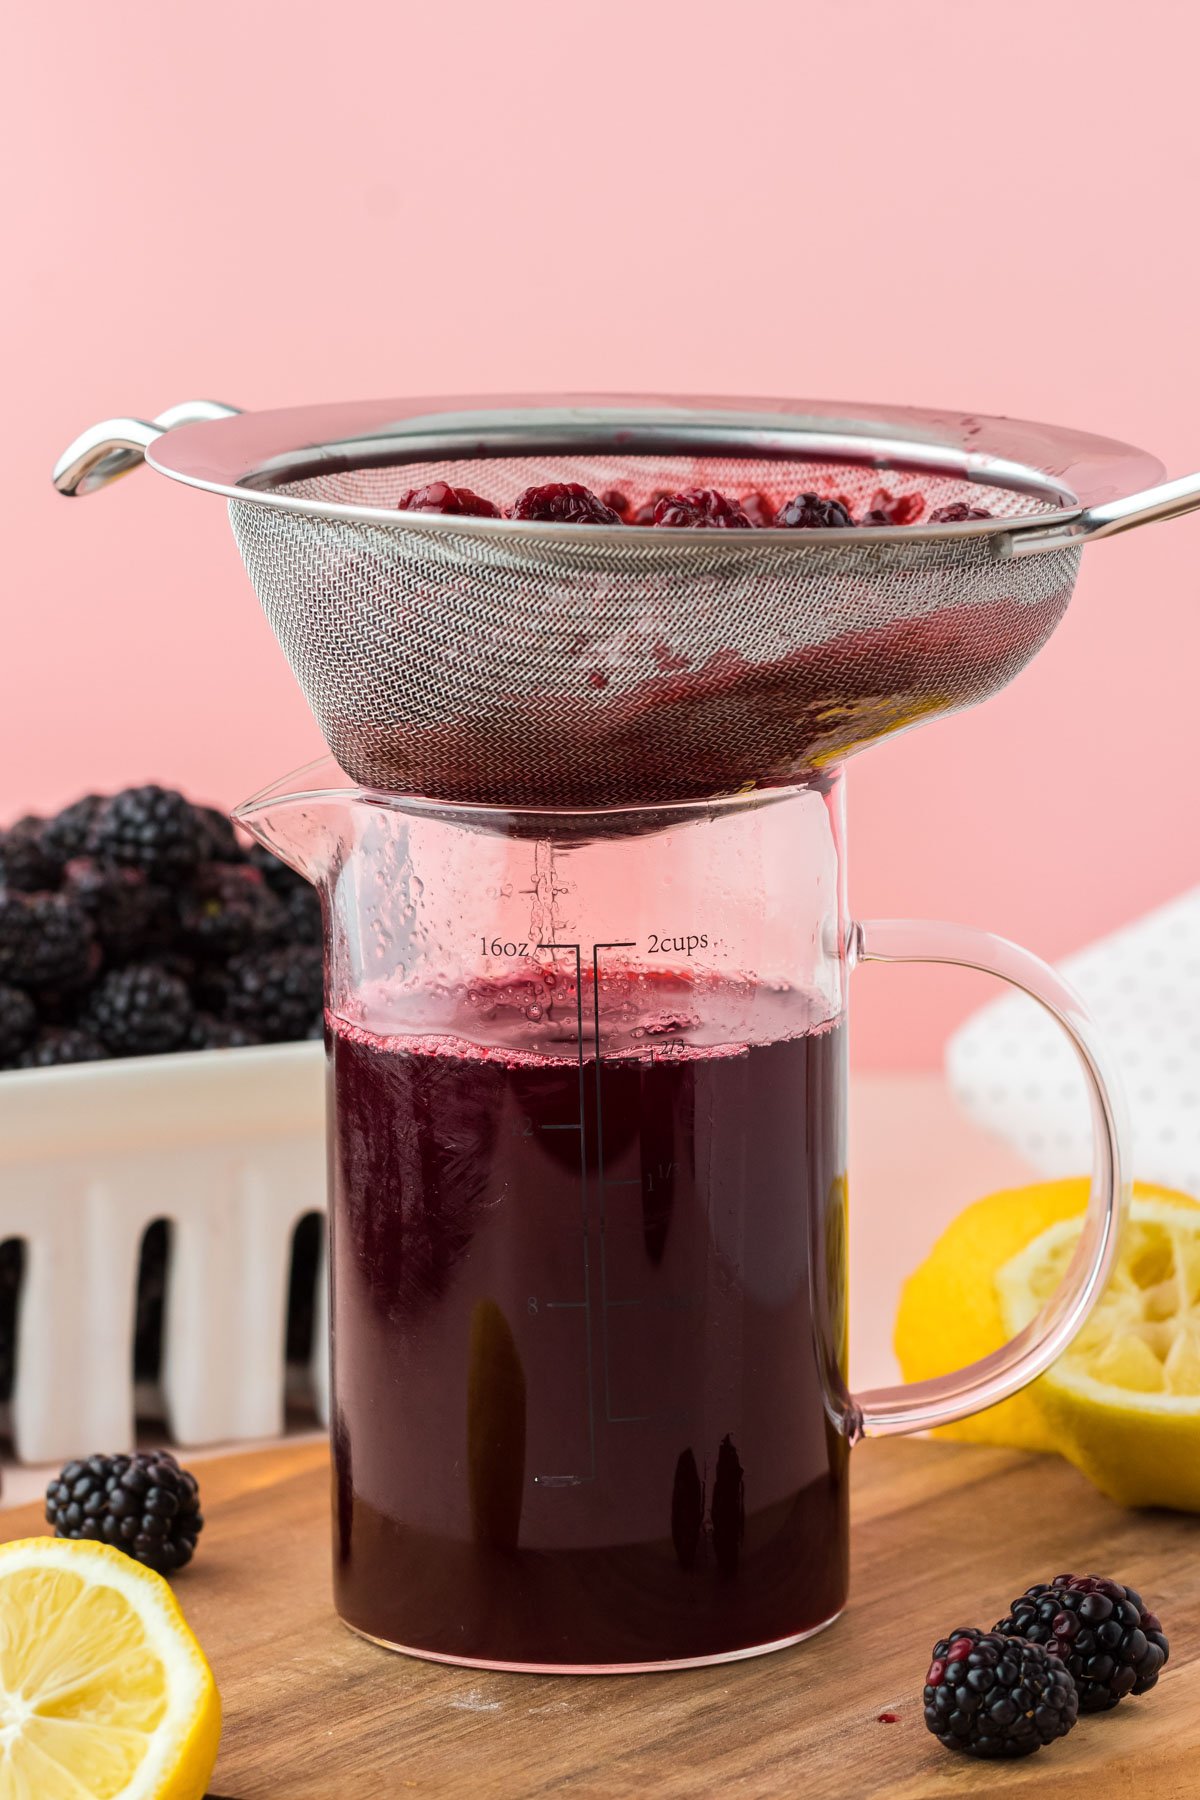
587	1129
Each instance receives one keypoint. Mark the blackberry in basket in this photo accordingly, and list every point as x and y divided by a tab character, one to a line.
131	915
138	924
209	1033
24	866
151	828
69	833
46	941
57	1046
302	915
140	1010
277	993
228	908
219	841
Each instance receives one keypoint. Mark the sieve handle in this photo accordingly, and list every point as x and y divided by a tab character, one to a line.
110	449
885	1411
1165	502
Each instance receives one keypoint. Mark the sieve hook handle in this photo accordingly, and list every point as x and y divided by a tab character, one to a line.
114	446
1167	501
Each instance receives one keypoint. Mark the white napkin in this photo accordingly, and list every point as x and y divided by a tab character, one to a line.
1013	1071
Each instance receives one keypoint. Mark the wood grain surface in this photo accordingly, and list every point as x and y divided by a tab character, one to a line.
943	1535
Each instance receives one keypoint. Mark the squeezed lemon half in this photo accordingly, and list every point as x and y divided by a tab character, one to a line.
949	1310
104	1692
1123	1402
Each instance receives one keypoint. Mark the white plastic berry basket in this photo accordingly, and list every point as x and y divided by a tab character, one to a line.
225	1145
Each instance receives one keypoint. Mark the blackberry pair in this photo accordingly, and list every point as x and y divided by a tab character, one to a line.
1079	1643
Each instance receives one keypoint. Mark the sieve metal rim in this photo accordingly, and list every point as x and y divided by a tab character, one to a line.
1092	486
247	465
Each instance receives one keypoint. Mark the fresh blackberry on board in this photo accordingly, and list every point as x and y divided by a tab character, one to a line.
58	1046
130	914
277	993
564	503
140	1010
69	833
808	512
1109	1640
440	497
226	908
46	941
997	1697
145	1505
24	866
207	1032
702	509
18	1021
151	828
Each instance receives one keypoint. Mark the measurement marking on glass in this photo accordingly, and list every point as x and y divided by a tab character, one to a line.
584	1305
610	1417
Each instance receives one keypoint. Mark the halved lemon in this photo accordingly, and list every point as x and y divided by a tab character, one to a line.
104	1692
1123	1402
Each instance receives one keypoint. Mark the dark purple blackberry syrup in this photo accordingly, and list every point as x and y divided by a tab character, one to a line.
580	1313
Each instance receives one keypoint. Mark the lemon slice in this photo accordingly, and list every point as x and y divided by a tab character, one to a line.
1123	1402
104	1692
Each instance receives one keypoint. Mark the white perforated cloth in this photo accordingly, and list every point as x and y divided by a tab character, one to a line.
1012	1070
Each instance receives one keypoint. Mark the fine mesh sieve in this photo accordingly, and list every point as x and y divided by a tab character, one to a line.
541	665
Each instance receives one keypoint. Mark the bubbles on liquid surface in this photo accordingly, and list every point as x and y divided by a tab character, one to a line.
530	1011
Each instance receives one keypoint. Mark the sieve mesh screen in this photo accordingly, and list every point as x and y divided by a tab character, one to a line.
525	666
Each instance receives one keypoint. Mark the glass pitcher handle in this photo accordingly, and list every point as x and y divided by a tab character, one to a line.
885	1412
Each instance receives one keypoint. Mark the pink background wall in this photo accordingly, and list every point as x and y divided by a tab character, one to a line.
938	202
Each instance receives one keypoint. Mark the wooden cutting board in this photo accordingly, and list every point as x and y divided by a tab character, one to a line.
943	1535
